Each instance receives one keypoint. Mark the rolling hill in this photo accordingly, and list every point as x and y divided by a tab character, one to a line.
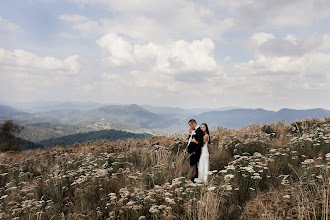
8	110
109	135
41	131
238	118
127	114
157	120
25	144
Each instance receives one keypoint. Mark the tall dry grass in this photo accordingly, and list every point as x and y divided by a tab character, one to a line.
274	171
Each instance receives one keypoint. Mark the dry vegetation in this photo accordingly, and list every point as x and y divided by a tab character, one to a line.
274	171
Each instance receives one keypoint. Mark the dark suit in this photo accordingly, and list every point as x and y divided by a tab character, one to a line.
197	148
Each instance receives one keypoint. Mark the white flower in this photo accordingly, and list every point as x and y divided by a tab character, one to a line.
228	177
227	187
4	196
286	197
230	167
169	200
307	161
154	209
256	177
101	172
211	172
327	156
211	188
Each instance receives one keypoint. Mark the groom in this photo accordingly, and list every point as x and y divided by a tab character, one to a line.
195	145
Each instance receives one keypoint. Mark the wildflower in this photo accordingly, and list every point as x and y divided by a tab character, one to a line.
230	167
229	177
319	177
256	177
4	196
213	171
307	161
227	187
211	188
169	200
154	209
327	156
130	204
286	197
257	154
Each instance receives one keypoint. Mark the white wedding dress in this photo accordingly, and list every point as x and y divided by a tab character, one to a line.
203	164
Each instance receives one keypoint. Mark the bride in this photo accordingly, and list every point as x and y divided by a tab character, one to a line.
203	163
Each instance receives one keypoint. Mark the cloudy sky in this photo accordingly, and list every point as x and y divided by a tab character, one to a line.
269	54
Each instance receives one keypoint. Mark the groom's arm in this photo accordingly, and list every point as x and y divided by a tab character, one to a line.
199	139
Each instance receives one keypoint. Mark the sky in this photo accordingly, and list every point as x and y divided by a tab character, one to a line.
269	54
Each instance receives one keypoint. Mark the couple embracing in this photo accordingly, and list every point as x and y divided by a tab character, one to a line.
197	148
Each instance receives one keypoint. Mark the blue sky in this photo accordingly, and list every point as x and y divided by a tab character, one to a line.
267	54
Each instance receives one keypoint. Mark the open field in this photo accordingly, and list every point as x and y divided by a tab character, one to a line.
274	171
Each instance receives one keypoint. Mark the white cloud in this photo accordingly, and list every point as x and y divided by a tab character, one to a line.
161	20
172	66
73	18
266	44
83	25
261	37
304	60
253	14
22	60
6	25
120	49
174	57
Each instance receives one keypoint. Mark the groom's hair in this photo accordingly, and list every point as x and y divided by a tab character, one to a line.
192	121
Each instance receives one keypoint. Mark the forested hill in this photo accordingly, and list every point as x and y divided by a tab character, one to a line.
110	135
24	144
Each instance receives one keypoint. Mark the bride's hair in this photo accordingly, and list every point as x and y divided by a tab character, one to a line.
207	131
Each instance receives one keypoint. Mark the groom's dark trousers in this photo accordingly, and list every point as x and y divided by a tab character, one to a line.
197	148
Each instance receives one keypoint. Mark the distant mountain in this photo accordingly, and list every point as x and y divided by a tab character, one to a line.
128	114
228	108
158	120
297	115
238	118
43	106
7	110
166	110
175	111
110	135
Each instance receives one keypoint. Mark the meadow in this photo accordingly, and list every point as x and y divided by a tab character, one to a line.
265	171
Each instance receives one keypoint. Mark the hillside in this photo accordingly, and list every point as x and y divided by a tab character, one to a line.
156	120
274	171
128	114
43	106
238	118
42	131
25	144
8	110
109	135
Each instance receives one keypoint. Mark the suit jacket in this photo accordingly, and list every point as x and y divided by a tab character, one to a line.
193	147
